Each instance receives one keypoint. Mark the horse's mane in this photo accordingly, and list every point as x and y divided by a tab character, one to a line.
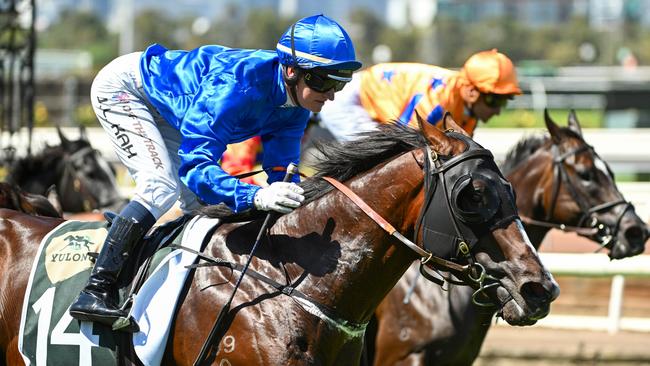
527	147
27	166
522	151
342	161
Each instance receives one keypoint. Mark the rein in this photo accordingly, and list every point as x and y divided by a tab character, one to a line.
473	272
597	229
212	337
287	289
425	256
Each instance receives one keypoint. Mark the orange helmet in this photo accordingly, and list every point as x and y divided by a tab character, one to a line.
491	72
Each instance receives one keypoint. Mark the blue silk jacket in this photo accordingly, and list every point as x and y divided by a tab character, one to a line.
216	96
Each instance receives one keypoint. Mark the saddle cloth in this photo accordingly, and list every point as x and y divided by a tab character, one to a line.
151	307
49	336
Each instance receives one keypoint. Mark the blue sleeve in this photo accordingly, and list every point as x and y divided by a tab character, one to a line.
282	147
207	129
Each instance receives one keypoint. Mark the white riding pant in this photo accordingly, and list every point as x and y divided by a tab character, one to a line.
345	117
144	142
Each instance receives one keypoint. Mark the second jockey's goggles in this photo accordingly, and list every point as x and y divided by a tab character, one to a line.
496	100
324	80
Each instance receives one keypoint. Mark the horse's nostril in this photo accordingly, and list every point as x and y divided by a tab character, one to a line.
534	290
635	234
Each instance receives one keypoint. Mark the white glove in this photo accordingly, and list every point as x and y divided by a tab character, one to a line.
282	197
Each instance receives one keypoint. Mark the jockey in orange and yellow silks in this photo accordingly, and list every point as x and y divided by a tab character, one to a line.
398	91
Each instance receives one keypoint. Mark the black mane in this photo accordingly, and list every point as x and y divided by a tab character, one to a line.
521	151
342	161
528	145
26	167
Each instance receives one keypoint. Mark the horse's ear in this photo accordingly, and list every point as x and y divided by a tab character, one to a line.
448	122
54	199
82	133
436	137
64	140
574	125
553	129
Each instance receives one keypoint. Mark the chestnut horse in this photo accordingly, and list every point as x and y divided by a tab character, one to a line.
332	263
560	182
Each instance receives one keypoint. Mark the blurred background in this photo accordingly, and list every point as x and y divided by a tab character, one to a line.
589	55
596	52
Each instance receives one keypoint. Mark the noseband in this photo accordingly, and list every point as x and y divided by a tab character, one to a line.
588	225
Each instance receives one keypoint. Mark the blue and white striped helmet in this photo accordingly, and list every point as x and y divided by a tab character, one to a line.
317	41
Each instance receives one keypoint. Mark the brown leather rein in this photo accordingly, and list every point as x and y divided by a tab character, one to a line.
426	257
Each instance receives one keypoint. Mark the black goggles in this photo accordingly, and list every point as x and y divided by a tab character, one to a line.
496	100
321	82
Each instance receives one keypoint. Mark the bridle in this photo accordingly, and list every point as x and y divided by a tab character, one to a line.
472	273
588	225
70	177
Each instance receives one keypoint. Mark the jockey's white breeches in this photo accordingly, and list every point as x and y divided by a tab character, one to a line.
144	142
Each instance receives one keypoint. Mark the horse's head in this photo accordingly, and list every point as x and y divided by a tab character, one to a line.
469	217
86	180
573	186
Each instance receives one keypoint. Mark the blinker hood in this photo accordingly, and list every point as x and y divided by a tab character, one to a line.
477	197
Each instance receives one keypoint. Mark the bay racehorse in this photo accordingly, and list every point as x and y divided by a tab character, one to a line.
82	178
560	182
327	264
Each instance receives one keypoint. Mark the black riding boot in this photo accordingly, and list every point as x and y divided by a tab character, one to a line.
97	301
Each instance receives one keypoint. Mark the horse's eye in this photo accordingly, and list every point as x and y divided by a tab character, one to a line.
585	174
475	199
477	196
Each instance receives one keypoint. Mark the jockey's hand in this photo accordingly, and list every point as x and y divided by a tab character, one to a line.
282	197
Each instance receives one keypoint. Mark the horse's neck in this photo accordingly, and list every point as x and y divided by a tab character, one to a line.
368	261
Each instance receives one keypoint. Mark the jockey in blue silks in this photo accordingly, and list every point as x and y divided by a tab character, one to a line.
171	114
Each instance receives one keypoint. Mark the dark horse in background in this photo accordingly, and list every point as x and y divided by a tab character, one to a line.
330	262
560	181
82	179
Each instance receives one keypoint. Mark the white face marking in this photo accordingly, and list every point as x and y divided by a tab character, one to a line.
571	159
600	165
524	235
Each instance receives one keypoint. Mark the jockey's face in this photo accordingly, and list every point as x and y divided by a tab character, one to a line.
308	98
311	99
485	106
